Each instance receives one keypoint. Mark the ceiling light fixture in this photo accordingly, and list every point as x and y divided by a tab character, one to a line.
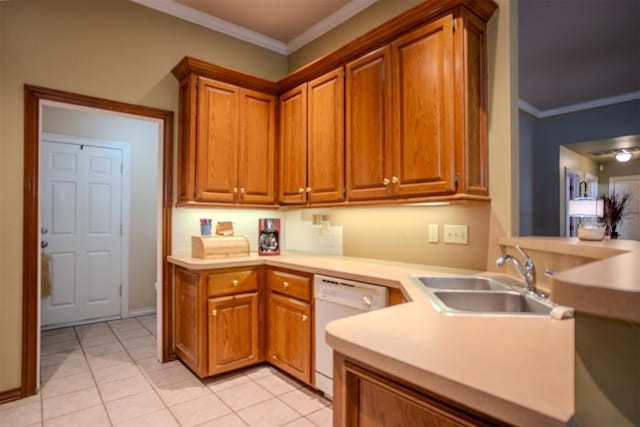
623	157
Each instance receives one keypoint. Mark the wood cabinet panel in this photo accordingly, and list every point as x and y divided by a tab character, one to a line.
293	146
367	398
289	332
396	296
190	343
368	126
232	282
217	158
325	133
233	332
256	148
290	284
423	92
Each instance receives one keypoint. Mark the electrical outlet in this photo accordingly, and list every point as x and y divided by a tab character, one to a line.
433	233
456	234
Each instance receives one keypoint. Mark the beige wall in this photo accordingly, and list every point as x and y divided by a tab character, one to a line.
502	52
401	233
610	169
111	49
142	137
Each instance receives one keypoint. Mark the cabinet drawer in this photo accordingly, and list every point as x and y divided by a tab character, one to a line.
290	284
232	282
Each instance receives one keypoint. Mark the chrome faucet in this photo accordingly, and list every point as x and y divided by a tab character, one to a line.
527	270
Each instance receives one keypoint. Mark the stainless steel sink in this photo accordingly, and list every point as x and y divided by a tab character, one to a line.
481	295
463	283
495	302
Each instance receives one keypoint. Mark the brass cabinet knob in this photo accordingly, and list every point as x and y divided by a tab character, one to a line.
300	190
286	285
214	312
235	190
304	317
308	189
386	181
235	283
394	179
242	190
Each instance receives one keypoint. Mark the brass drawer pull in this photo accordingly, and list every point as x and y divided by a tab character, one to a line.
214	312
235	283
304	317
286	285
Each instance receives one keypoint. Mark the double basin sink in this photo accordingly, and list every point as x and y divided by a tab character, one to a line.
486	295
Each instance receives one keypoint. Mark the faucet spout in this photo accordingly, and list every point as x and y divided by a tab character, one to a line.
526	270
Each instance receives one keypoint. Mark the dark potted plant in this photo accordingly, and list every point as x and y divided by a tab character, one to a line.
615	206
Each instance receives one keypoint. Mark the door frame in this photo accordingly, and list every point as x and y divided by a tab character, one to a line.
124	148
33	95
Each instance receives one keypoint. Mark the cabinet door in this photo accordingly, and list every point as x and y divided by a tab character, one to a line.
290	336
325	133
368	126
257	148
233	332
293	146
423	83
217	141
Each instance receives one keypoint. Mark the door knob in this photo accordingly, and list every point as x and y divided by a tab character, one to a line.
44	244
44	230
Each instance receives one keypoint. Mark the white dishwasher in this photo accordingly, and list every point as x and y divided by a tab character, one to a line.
335	299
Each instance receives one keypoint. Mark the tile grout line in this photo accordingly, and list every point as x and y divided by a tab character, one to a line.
95	383
144	374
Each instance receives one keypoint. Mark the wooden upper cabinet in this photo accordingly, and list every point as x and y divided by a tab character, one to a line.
257	148
227	139
325	138
368	126
293	146
423	110
217	154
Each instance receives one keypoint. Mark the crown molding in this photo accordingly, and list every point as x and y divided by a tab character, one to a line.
216	24
541	114
330	22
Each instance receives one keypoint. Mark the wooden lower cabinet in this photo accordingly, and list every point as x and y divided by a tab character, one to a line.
366	397
233	332
289	334
219	318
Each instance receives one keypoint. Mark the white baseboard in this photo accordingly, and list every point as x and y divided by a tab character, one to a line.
141	312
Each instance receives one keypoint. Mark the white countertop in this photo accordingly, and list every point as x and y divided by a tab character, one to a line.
519	369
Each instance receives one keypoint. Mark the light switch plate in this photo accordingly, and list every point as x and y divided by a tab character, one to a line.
457	234
433	233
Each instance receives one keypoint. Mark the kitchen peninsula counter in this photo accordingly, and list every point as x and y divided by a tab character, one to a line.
518	369
609	286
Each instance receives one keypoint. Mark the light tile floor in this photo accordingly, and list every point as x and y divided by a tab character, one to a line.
106	374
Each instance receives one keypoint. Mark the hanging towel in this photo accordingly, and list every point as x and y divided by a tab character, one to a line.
45	276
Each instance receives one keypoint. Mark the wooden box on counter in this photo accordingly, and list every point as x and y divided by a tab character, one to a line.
219	246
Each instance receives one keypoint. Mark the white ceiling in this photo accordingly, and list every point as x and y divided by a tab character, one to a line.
280	25
578	51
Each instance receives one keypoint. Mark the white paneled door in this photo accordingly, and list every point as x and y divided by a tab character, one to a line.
81	217
629	228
